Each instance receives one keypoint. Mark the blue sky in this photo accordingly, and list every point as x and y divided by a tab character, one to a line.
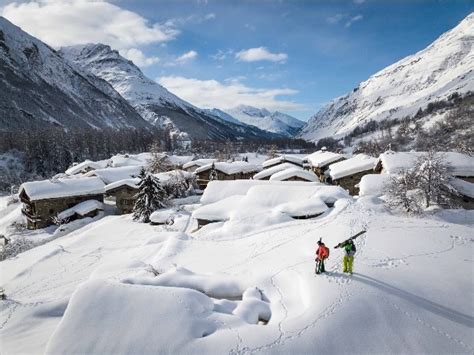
293	56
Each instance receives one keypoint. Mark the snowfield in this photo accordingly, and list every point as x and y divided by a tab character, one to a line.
117	286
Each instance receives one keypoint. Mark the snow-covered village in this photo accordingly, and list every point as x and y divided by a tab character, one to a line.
236	177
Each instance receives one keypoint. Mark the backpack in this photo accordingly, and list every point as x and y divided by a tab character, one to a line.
325	251
350	249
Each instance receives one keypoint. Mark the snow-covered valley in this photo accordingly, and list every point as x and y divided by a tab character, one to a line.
96	289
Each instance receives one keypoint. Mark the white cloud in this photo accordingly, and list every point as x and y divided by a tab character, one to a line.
359	1
212	93
138	57
210	16
187	56
260	53
348	19
221	54
335	19
353	19
67	22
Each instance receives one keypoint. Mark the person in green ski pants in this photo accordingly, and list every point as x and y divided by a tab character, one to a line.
348	261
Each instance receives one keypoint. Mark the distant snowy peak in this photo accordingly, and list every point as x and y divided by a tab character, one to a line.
122	74
222	115
444	67
275	122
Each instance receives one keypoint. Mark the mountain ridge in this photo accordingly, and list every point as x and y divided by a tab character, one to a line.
38	87
152	101
402	88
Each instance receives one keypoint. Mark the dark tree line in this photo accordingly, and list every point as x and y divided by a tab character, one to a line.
50	151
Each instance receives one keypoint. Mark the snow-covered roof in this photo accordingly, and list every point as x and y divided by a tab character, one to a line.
122	160
88	164
110	175
230	168
81	209
220	189
46	189
394	162
219	210
356	164
267	198
321	158
199	162
373	184
465	188
180	160
164	178
283	159
125	182
274	169
294	172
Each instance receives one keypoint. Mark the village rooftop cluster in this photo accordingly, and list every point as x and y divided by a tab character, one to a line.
83	188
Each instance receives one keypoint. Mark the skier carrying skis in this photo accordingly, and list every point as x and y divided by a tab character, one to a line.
350	250
322	253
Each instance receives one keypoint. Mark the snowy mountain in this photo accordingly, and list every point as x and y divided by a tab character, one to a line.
275	122
151	100
38	87
223	115
436	72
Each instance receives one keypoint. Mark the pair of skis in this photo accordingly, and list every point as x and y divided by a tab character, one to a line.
351	238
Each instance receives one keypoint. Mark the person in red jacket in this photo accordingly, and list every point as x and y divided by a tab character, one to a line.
322	253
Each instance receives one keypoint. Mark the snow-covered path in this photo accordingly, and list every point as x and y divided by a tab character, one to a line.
411	292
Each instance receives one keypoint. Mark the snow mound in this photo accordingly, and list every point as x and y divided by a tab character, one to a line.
215	285
162	216
354	165
373	184
144	321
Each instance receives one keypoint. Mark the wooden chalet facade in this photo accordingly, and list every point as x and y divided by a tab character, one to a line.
225	171
124	192
44	200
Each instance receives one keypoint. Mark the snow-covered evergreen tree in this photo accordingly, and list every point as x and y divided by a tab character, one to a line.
150	197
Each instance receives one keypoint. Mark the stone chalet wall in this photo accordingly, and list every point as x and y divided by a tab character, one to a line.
203	177
124	198
349	182
40	213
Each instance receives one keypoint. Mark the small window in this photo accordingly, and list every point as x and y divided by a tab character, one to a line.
51	211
